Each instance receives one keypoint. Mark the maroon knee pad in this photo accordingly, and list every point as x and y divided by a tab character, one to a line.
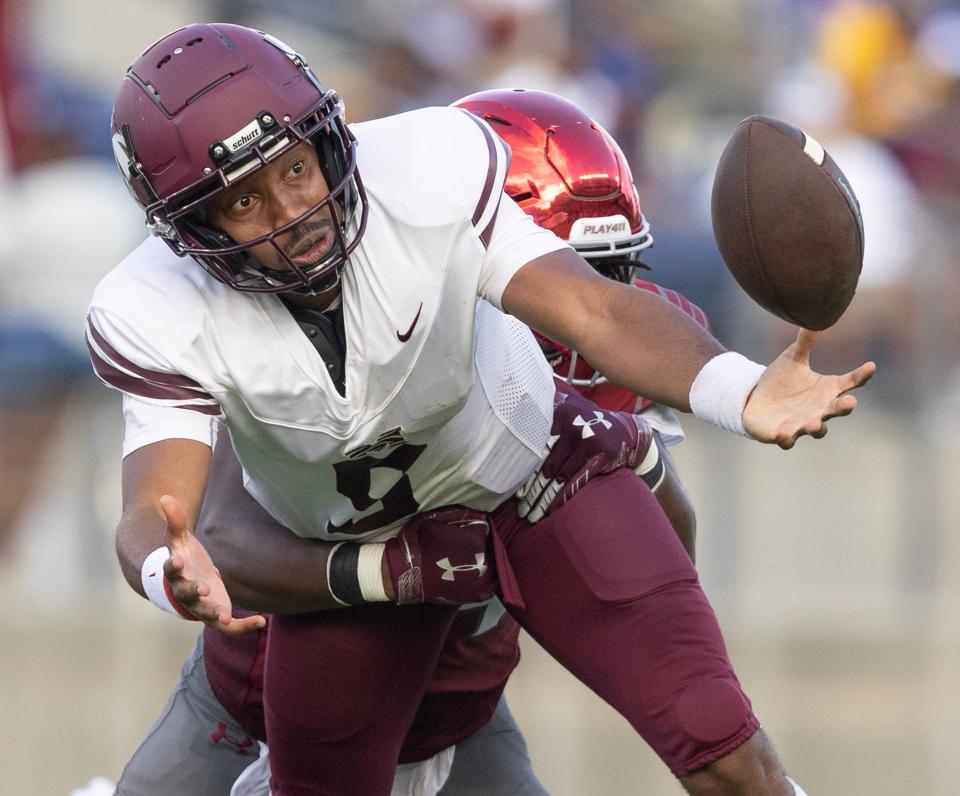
611	594
340	691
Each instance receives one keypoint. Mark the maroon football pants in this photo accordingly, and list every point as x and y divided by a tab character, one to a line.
608	591
341	688
612	595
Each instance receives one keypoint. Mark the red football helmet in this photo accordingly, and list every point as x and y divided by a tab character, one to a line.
208	105
571	177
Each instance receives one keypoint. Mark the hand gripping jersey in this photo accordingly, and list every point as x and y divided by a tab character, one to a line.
447	399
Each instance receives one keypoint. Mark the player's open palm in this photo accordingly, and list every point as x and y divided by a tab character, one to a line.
194	580
791	400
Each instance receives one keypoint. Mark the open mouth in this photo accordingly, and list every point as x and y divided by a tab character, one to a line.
315	249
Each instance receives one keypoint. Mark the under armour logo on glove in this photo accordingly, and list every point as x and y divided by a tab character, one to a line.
442	537
587	431
449	570
576	452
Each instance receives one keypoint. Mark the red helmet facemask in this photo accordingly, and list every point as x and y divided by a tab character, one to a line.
209	105
569	175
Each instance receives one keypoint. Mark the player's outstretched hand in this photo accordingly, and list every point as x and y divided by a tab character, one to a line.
194	580
791	400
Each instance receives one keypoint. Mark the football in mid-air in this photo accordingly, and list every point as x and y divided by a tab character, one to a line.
787	223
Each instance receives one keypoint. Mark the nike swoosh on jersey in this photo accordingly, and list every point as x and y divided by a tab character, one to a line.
406	336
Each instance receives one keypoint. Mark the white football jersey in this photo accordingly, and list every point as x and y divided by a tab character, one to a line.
447	399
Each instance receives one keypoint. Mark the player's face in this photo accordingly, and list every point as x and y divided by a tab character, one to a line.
276	195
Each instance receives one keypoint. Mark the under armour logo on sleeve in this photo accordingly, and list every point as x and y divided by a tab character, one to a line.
587	431
449	570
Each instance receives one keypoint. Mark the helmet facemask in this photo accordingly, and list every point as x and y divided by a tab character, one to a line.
183	218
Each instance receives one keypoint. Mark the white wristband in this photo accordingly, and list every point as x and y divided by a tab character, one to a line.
720	391
151	576
370	573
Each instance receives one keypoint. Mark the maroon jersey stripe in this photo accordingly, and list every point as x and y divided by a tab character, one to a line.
153	376
133	386
491	169
145	389
488	232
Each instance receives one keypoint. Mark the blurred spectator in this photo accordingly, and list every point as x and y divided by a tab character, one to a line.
869	45
72	218
10	24
38	370
65	218
938	41
928	144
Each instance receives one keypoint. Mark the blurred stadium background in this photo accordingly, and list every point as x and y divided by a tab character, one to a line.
835	568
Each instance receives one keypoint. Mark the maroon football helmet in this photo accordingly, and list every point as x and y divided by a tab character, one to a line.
571	177
208	105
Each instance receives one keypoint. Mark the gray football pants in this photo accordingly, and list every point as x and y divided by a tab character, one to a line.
197	749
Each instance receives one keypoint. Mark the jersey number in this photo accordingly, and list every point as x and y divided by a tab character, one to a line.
354	482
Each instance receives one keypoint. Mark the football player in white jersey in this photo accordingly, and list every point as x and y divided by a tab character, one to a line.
205	736
425	392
